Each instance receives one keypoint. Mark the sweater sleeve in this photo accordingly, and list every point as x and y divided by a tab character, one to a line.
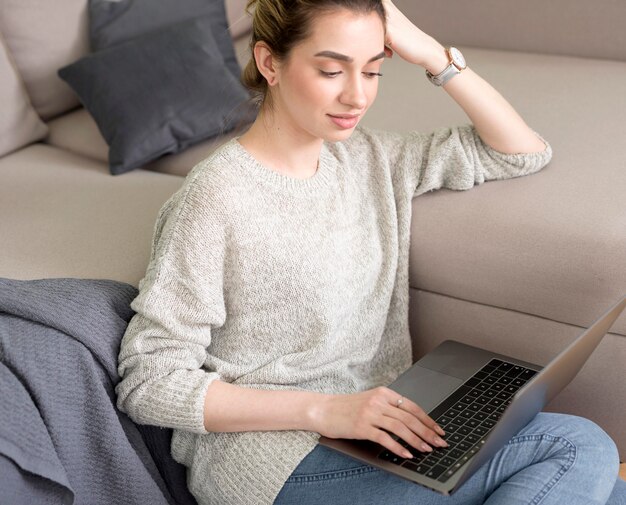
453	158
180	301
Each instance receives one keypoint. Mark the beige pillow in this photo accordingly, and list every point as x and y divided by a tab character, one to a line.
19	123
43	36
239	22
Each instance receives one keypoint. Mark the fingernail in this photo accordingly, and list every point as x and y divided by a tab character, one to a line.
427	448
441	442
439	430
407	454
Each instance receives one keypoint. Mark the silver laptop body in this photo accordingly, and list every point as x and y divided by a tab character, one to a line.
444	378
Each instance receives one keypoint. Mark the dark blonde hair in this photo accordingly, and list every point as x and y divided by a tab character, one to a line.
282	24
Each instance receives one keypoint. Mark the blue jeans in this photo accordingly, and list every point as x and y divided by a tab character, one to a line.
555	460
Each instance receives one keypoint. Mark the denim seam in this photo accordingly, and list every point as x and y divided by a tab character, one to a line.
342	474
564	468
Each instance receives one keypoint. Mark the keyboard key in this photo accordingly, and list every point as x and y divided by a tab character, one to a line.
436	471
514	372
455	437
481	431
419	468
456	453
447	461
387	455
472	423
452	428
527	374
466	414
474	407
464	430
447	474
443	421
467	399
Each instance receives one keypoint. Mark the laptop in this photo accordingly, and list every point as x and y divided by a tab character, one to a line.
480	399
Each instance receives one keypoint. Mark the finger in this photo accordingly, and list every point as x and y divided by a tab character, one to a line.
419	422
424	432
412	415
384	439
400	429
418	412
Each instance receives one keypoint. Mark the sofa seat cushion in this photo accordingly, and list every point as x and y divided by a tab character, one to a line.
551	244
77	132
63	215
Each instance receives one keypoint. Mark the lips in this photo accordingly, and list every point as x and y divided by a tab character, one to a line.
345	121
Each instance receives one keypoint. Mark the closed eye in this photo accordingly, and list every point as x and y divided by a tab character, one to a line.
369	75
329	74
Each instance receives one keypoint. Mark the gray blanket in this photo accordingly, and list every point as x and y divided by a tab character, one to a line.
62	440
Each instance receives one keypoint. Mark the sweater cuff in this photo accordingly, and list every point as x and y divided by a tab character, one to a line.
527	163
177	402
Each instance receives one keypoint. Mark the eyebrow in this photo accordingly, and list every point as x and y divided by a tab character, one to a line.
343	57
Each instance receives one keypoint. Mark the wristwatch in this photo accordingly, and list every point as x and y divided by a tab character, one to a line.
457	63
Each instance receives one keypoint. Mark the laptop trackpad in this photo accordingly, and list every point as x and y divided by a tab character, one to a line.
425	387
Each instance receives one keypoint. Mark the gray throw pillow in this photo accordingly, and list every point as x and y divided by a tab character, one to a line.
159	93
115	21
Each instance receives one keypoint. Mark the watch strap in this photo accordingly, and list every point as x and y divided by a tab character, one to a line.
443	77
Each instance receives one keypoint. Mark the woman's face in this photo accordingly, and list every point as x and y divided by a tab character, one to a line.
330	79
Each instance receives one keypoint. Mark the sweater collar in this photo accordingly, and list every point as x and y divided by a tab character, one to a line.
320	181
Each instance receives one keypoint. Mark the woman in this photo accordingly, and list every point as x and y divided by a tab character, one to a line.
275	305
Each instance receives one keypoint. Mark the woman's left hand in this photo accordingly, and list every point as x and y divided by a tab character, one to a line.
411	43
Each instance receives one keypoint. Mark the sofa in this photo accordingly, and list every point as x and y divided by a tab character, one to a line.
520	266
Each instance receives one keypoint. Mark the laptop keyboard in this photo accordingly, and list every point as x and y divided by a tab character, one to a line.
467	416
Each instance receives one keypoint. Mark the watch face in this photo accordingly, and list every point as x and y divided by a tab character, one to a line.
457	58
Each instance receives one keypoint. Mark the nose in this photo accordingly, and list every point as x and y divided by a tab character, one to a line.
353	93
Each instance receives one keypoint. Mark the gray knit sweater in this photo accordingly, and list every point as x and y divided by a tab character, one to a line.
272	282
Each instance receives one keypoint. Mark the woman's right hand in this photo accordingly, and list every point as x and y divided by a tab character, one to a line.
373	415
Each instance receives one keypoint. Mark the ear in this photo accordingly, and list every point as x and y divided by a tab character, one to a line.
266	63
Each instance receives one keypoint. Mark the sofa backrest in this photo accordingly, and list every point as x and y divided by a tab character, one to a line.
592	29
45	35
